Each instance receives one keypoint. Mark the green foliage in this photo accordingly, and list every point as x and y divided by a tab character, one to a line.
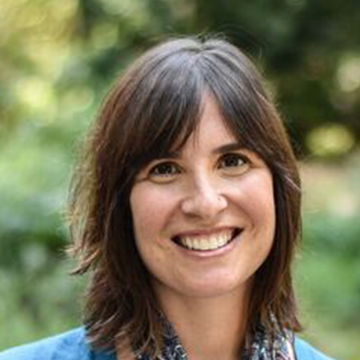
328	271
308	50
38	300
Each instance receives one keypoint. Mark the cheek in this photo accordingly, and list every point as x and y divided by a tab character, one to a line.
258	195
142	210
150	211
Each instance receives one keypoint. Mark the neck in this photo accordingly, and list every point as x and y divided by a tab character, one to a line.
209	328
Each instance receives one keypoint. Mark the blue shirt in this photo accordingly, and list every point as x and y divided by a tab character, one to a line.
72	345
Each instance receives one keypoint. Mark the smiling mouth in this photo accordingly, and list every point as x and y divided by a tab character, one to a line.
207	242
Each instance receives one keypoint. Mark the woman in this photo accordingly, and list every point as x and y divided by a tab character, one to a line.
186	213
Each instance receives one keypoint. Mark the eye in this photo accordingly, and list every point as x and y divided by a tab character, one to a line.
164	171
233	163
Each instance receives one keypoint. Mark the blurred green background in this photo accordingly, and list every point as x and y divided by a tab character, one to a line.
57	60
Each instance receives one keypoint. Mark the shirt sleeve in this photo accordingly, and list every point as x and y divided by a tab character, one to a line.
304	351
68	346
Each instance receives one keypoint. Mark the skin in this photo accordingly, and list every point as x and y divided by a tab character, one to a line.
212	186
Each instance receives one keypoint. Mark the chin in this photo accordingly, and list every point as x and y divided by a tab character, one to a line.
213	288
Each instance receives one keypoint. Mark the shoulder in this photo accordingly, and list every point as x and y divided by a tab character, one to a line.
305	351
67	346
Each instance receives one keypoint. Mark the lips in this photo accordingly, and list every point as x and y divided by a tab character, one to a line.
207	242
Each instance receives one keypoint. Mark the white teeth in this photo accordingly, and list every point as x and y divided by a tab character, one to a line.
196	244
214	243
187	242
211	242
204	245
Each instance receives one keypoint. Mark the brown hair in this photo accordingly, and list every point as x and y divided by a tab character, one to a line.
154	105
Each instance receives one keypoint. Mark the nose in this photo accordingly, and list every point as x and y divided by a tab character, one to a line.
205	201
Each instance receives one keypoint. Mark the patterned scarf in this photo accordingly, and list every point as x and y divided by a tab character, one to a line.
260	348
264	347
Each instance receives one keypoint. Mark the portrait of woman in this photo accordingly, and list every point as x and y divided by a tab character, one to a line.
185	213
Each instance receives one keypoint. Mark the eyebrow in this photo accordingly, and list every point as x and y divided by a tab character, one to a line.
228	148
220	150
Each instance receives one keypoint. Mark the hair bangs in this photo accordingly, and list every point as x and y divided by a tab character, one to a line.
241	100
174	107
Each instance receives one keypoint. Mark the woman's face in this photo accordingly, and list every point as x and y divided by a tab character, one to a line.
204	218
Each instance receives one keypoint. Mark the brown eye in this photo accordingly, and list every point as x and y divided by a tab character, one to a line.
233	164
166	169
232	160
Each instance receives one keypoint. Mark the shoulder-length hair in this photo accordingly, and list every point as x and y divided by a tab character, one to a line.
154	106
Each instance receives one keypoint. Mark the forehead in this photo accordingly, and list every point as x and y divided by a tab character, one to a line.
211	130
